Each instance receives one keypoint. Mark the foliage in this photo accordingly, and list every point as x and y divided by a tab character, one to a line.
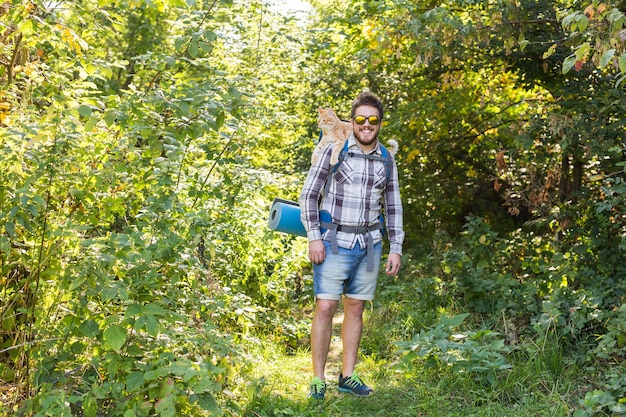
481	353
143	141
597	35
127	200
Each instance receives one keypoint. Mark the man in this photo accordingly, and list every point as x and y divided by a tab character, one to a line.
344	255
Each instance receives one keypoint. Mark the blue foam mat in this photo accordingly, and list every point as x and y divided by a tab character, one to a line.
285	217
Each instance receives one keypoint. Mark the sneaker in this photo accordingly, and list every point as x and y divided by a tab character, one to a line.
352	384
318	388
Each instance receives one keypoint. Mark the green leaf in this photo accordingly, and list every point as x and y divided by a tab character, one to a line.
152	325
454	321
207	402
205	46
26	27
568	63
582	51
583	22
9	227
193	49
156	374
115	337
91	69
606	57
219	120
568	20
179	42
133	310
90	406
165	407
171	61
154	309
91	124
77	282
134	350
134	381
209	35
184	108
581	413
84	110
109	117
622	63
89	328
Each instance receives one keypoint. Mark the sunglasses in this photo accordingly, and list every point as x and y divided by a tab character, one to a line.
360	120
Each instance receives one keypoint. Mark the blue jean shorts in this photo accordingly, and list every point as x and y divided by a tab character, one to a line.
345	273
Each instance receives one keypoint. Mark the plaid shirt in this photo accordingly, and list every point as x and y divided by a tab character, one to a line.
356	196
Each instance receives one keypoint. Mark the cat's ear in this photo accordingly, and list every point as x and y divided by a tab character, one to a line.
330	112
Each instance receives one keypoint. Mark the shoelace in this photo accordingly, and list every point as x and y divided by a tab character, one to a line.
354	381
318	385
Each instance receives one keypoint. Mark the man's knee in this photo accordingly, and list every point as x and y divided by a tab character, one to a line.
353	306
325	308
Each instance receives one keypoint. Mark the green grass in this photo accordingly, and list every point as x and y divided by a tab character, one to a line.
280	388
543	380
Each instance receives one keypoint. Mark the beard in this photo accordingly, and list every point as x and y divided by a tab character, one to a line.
366	138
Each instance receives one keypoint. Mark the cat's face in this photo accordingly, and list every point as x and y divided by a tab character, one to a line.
327	117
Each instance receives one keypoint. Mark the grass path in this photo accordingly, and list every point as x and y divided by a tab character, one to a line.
281	388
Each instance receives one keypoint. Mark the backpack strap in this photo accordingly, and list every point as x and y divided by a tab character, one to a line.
384	158
333	169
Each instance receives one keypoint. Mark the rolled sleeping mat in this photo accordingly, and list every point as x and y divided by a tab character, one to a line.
285	217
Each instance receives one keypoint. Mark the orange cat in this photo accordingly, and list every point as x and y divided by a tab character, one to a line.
334	131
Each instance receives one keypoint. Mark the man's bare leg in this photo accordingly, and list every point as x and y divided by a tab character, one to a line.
351	333
321	332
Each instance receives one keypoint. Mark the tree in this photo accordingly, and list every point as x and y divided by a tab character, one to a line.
126	190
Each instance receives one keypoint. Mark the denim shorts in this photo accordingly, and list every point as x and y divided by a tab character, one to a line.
345	273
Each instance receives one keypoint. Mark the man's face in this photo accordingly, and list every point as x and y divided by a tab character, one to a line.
366	133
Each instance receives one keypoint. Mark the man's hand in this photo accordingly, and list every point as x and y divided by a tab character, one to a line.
317	251
393	264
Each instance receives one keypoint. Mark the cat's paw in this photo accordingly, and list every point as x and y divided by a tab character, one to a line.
334	160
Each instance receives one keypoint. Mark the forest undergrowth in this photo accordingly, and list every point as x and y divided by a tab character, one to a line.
466	380
141	145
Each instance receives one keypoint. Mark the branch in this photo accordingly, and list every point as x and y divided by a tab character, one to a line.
16	51
206	179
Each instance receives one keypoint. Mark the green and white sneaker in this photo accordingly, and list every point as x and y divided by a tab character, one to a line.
353	385
318	388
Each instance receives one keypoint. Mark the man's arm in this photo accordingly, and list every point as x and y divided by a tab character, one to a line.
393	207
309	205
